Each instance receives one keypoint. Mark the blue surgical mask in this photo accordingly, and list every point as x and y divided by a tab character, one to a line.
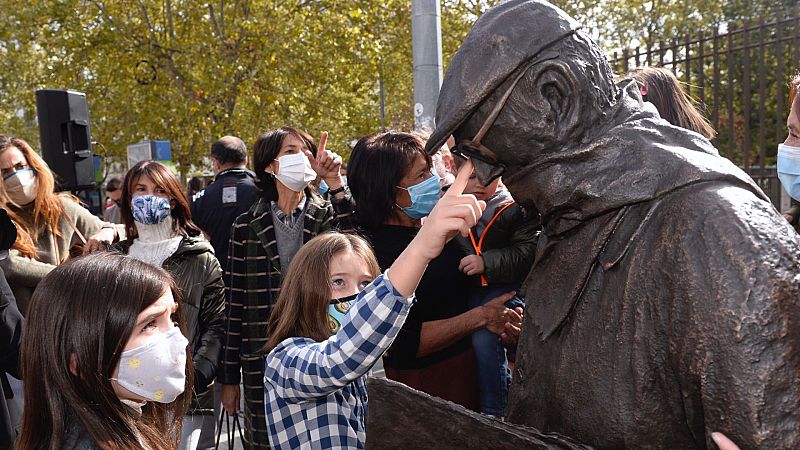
323	187
789	169
424	196
149	209
337	310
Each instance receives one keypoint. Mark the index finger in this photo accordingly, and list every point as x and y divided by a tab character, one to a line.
458	186
322	141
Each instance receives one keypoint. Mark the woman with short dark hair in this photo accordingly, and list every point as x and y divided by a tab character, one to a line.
97	326
263	242
394	189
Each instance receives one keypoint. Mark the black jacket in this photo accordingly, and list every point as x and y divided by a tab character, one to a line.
509	245
199	276
230	195
11	322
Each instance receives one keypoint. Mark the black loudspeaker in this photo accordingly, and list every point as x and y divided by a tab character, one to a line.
66	138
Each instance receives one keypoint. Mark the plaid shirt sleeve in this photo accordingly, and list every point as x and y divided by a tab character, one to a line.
300	369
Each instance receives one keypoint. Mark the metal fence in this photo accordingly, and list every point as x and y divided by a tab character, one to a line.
739	74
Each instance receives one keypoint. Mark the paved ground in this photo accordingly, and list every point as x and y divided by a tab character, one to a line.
223	440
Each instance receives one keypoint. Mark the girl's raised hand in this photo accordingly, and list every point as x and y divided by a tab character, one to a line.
455	212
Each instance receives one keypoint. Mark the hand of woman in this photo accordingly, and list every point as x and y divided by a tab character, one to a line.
230	395
455	212
327	164
100	240
497	315
510	336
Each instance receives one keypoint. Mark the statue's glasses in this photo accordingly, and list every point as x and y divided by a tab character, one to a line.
473	148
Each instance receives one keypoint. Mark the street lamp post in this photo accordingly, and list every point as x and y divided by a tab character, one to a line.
426	41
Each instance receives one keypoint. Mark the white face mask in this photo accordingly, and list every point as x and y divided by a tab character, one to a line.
157	370
295	171
21	186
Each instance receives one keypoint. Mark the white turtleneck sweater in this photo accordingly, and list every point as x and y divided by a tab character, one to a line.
155	243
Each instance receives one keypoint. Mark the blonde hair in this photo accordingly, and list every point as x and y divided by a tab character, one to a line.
664	91
47	209
301	309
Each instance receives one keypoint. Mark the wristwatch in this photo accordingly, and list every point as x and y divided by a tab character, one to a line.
341	188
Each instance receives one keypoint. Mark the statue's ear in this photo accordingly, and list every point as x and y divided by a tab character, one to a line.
558	87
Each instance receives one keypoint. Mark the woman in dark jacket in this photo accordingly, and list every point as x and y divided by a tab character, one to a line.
263	241
394	188
160	232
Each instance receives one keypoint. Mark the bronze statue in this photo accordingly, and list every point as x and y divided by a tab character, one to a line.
665	300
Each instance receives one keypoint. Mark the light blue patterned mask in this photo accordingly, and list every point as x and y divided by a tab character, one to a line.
789	169
149	209
337	309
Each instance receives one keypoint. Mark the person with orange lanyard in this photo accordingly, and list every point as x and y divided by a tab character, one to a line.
501	250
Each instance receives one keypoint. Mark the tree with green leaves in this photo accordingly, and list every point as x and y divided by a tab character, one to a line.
192	71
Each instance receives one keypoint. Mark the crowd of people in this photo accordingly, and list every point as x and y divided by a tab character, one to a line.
273	292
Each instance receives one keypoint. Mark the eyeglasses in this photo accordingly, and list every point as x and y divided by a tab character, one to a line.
473	148
7	172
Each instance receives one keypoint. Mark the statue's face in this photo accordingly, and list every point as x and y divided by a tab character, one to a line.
500	137
489	142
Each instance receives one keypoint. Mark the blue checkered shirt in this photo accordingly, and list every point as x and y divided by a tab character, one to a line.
315	393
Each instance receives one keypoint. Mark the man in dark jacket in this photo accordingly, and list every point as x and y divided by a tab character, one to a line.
666	284
231	194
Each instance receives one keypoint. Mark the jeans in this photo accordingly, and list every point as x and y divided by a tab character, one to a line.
199	432
494	377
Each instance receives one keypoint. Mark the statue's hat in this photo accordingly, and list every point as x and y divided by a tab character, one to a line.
504	38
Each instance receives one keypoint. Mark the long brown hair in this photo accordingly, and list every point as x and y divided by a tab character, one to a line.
79	320
664	91
163	178
47	209
301	309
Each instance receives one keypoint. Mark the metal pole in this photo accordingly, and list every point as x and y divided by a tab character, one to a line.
426	42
